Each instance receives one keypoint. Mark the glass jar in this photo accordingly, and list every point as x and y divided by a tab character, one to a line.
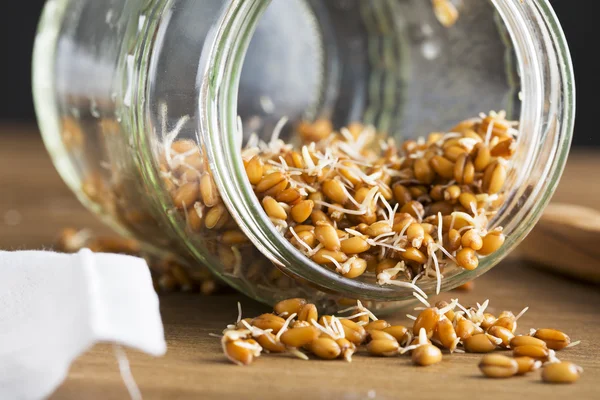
118	81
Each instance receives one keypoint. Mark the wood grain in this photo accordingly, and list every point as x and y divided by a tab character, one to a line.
566	240
35	204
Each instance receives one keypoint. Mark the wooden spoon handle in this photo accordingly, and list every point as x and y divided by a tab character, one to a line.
566	240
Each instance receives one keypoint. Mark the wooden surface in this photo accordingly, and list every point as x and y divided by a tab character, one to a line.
563	231
35	205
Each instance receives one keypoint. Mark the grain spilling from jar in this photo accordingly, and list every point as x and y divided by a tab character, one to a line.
444	327
356	201
420	208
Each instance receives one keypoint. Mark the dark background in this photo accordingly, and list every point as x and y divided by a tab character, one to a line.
17	31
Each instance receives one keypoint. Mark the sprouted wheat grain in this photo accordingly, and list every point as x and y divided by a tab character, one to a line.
435	330
361	199
356	201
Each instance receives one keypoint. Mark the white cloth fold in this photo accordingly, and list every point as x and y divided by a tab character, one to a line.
53	307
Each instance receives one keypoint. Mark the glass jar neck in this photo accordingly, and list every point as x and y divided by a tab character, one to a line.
547	110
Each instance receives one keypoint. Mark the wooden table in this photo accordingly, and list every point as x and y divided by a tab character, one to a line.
35	205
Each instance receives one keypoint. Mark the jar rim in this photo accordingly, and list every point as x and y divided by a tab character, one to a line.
218	116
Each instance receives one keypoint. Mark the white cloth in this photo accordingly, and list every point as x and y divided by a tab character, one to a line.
53	307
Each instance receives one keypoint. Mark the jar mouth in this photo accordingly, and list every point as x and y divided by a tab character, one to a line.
547	110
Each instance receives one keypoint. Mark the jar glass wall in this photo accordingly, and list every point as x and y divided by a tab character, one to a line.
139	102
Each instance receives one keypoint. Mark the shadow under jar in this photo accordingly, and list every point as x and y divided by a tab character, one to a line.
122	87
